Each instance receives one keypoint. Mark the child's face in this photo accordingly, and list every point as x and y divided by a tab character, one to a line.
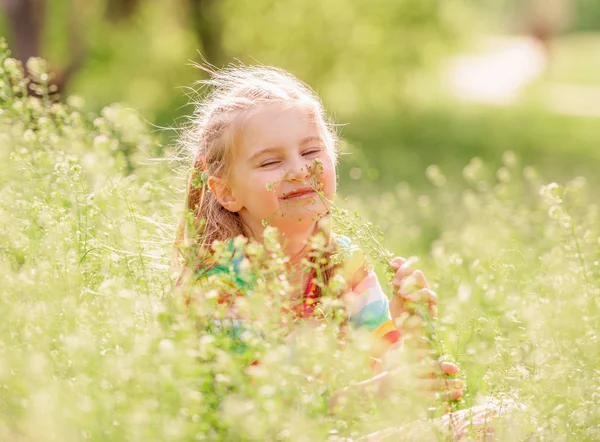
279	155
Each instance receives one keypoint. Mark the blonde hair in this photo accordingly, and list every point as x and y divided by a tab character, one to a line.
210	140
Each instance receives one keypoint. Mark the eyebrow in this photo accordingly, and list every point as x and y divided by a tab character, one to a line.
303	141
264	151
310	139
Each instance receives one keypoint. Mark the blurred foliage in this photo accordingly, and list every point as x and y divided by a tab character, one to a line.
357	55
92	347
142	62
588	15
573	60
388	149
371	62
583	15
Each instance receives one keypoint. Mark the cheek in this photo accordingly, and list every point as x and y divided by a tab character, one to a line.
270	180
329	178
331	182
263	189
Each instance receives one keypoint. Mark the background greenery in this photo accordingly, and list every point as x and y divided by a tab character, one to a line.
377	66
91	346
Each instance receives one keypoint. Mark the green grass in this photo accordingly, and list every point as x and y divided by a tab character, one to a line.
575	59
95	345
399	147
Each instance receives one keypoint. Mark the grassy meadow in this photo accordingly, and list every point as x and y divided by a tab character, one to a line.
96	344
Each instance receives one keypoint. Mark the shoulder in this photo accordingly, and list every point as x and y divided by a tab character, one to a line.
344	245
231	268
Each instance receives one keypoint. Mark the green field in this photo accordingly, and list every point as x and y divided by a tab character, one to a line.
94	345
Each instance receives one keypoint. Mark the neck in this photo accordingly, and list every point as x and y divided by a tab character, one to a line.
296	245
294	241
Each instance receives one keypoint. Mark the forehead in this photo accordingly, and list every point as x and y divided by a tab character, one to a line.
277	125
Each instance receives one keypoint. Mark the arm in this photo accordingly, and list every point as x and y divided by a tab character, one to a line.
427	378
368	306
366	303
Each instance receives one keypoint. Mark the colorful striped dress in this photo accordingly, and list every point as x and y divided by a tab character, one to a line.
366	303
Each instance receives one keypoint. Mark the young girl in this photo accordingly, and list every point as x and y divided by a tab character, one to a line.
264	153
255	142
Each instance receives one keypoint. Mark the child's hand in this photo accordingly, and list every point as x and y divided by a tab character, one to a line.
433	378
411	287
430	377
448	389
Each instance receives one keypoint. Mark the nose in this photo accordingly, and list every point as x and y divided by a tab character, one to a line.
298	168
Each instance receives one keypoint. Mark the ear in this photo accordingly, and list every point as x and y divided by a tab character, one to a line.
223	194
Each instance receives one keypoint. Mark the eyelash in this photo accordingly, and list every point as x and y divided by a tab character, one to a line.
311	151
304	154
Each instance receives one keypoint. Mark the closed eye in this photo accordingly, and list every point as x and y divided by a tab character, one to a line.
310	152
269	163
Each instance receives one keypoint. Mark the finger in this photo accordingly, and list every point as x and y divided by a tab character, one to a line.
438	369
421	296
403	271
449	368
420	280
415	281
451	395
397	262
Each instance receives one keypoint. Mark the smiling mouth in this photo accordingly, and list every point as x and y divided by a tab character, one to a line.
305	192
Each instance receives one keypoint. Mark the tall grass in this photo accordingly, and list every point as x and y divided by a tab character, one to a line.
96	345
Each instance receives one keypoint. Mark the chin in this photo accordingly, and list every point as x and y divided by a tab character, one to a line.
302	224
309	209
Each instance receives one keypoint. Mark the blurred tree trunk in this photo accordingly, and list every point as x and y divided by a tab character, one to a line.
121	10
26	21
208	27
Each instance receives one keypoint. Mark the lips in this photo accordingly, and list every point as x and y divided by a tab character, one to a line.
299	193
